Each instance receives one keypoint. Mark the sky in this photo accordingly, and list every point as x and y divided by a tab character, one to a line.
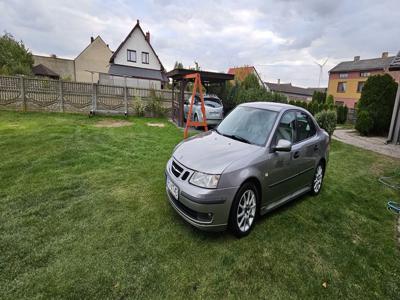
282	39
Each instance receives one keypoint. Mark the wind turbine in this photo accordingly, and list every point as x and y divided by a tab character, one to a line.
321	66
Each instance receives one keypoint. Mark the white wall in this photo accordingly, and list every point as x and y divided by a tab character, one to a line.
137	42
130	82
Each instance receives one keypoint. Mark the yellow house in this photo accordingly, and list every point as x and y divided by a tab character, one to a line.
347	79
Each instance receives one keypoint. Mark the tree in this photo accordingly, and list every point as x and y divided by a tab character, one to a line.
14	57
377	98
319	97
178	65
251	81
330	100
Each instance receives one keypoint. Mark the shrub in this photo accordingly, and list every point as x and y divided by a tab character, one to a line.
330	100
154	106
138	106
319	97
377	98
327	119
364	123
341	114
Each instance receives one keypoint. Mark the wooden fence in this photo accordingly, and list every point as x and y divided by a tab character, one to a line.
36	94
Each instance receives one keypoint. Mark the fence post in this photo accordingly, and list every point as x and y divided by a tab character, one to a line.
126	99
60	89
94	97
23	93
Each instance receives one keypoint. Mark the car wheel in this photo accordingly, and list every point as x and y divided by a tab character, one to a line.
244	210
316	184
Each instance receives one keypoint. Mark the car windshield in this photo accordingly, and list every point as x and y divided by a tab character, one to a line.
248	124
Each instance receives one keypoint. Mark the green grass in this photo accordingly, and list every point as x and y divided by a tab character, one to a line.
83	215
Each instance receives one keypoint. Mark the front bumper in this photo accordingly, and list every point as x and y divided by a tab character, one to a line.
206	209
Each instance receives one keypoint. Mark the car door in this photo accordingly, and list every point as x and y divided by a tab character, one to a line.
280	170
306	149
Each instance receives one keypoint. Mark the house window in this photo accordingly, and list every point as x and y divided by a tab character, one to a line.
145	57
131	55
341	87
360	86
343	75
365	74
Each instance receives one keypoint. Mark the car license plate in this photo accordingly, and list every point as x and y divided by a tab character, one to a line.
172	188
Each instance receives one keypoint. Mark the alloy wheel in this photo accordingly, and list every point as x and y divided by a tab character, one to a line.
246	211
318	179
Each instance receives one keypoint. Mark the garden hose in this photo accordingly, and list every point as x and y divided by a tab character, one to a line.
391	205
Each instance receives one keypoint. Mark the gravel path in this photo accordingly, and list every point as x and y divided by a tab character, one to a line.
376	144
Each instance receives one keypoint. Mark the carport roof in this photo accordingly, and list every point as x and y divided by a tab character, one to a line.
395	64
206	76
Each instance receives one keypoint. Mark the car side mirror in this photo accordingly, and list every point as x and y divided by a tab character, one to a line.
283	146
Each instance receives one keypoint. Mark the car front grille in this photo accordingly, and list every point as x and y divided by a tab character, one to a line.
176	169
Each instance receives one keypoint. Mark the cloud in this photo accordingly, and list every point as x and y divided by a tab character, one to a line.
283	39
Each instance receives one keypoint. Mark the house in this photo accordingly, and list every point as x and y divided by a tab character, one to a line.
135	63
290	91
241	73
347	79
42	71
93	60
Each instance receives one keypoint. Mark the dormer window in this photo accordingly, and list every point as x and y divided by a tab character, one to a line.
131	55
145	58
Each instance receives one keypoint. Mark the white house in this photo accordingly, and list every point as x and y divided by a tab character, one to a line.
136	63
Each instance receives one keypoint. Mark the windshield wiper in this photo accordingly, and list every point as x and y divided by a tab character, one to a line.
233	136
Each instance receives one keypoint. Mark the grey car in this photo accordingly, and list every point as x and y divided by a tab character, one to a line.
213	106
260	157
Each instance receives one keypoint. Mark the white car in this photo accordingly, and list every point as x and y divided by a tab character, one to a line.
214	109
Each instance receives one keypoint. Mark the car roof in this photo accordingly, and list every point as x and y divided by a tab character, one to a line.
274	106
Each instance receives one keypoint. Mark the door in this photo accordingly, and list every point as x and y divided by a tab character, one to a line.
279	167
306	149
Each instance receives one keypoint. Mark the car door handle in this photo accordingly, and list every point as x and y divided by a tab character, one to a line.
316	147
296	154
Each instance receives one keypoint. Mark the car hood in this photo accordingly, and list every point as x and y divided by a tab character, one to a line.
211	152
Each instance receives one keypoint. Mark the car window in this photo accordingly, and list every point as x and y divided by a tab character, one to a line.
305	127
286	128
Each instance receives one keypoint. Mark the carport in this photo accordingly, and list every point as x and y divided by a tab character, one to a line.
179	82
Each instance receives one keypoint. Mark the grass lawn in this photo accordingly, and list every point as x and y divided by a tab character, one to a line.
83	214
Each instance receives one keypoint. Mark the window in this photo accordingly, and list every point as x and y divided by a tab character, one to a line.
360	86
286	128
343	75
145	58
305	127
365	74
341	87
131	55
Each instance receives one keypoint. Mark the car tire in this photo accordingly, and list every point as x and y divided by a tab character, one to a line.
318	178
244	210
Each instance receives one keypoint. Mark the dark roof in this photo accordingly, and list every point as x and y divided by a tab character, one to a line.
206	76
42	70
395	64
127	37
363	64
288	88
128	71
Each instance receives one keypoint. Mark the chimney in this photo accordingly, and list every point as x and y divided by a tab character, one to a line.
148	36
91	39
137	22
385	54
279	81
356	58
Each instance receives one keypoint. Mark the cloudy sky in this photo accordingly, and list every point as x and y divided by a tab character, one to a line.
282	39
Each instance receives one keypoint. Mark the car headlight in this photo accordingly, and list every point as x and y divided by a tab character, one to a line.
204	180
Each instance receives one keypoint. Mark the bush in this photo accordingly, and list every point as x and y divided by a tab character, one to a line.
330	100
138	106
319	97
364	123
14	57
327	119
341	114
377	98
154	107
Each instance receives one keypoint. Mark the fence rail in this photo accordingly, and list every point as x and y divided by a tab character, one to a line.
36	94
